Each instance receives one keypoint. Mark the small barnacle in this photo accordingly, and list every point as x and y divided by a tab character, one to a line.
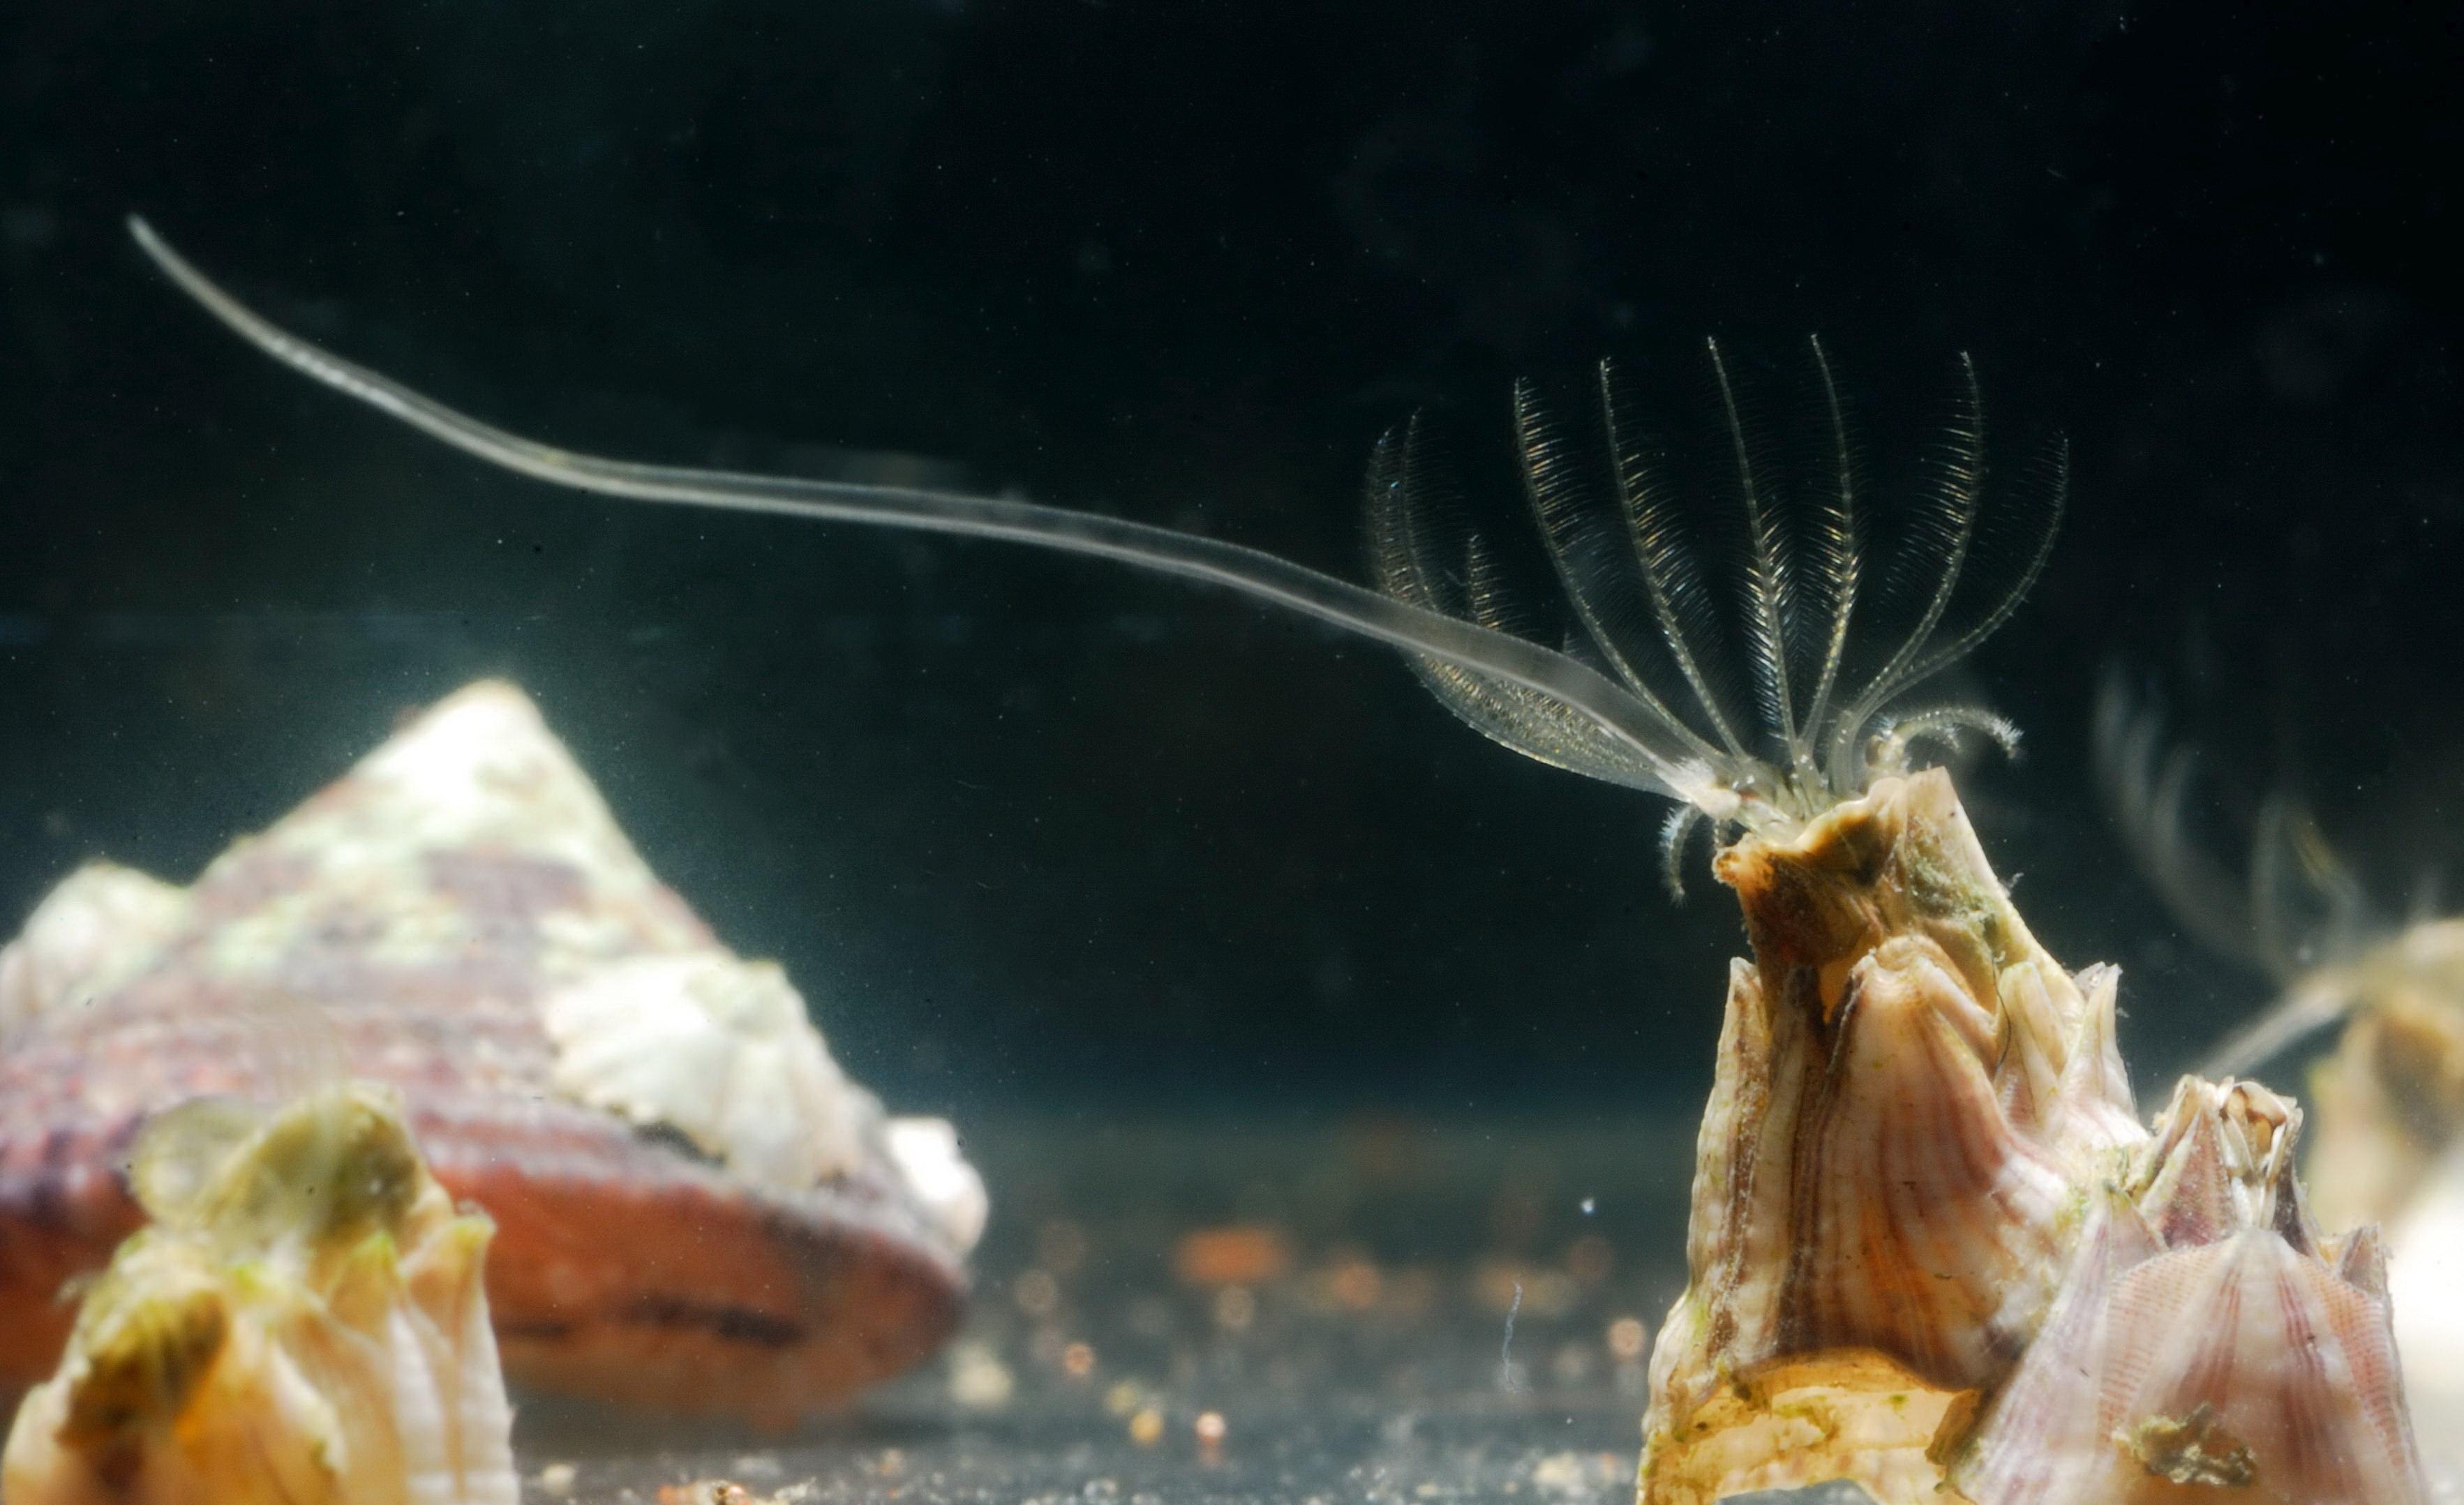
304	1320
2207	1336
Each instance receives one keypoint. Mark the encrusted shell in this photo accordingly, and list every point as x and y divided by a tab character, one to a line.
1912	1100
696	1209
88	935
2208	1342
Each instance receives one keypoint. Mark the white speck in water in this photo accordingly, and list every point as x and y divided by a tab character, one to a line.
1509	1378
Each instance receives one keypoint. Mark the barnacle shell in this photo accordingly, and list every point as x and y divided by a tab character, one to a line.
2386	1106
2388	1103
695	1208
1910	1105
305	1321
2208	1342
935	1168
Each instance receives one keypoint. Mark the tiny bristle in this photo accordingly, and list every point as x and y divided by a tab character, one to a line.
1673	834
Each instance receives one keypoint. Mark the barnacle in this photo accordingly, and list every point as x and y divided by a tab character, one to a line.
2389	1096
1912	1103
303	1321
2207	1337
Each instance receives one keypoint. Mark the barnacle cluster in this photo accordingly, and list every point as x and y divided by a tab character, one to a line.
1933	1248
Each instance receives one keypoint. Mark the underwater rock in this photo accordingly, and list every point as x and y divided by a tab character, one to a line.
696	1209
2208	1342
304	1320
1912	1104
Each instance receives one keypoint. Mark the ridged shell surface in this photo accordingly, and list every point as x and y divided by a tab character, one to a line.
2207	1343
1912	1100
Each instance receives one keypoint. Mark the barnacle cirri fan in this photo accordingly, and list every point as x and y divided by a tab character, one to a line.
1911	1096
303	1321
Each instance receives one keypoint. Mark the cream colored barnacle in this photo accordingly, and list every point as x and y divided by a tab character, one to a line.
303	1321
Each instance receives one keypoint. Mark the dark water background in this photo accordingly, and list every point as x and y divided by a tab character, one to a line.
1038	834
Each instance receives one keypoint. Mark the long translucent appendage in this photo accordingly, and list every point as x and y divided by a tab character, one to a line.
1667	749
